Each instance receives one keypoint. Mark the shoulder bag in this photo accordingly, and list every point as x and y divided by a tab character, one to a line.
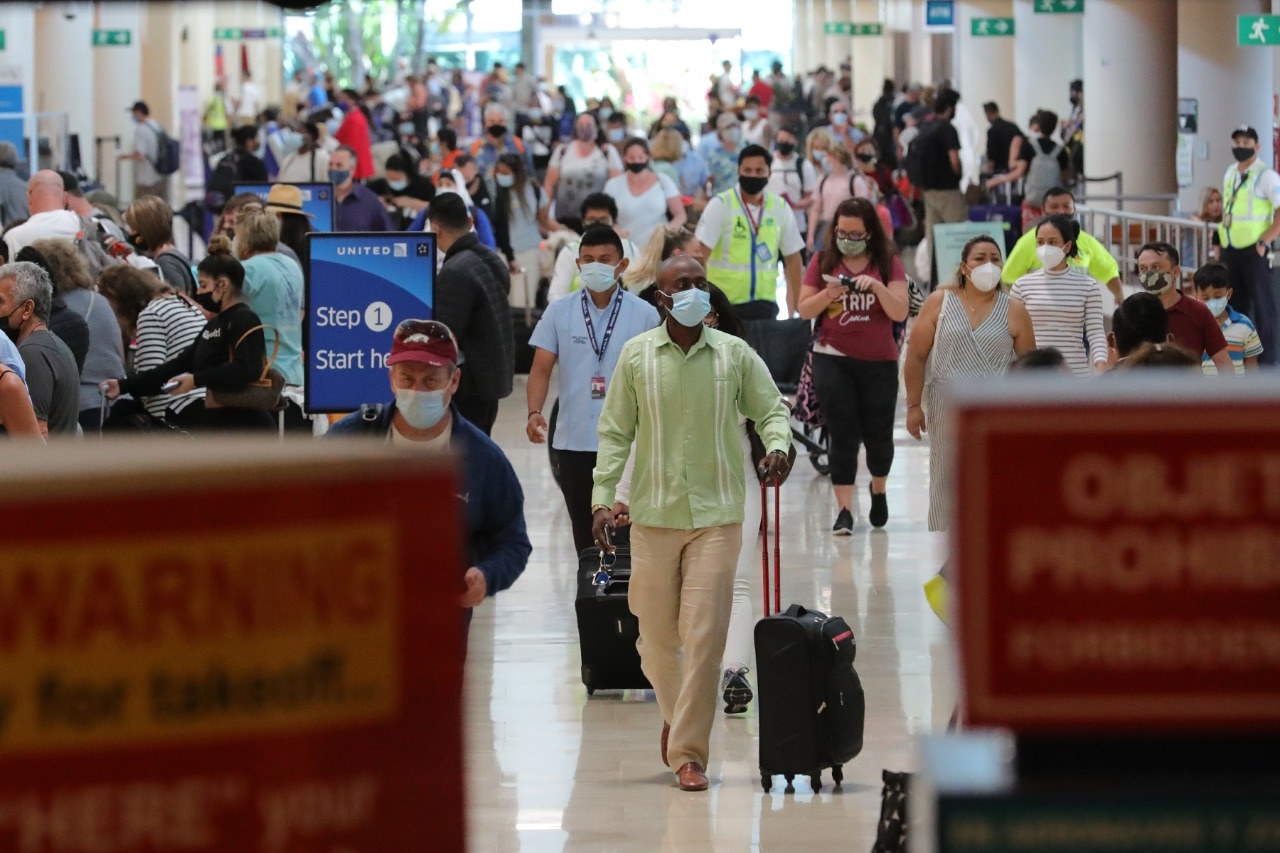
261	393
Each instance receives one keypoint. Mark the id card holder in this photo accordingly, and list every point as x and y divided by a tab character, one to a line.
763	255
598	387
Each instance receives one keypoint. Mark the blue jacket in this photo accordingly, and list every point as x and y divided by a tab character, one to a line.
496	536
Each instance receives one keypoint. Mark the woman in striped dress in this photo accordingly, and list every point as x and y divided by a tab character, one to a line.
970	330
1064	301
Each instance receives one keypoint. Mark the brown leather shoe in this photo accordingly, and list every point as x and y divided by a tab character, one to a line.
692	777
666	732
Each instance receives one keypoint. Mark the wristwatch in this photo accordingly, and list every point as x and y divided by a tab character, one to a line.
596	508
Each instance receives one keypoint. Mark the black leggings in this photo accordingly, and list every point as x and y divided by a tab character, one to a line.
859	400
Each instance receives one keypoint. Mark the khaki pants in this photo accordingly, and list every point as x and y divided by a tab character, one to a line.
941	207
682	593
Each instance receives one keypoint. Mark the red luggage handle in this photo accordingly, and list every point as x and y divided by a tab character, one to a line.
776	606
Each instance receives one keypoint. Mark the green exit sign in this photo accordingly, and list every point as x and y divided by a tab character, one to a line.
843	29
992	26
1	39
1059	7
241	34
1257	30
112	38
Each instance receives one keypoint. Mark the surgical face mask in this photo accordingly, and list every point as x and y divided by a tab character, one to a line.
505	181
337	177
985	277
690	307
1156	282
598	277
820	157
839	119
731	134
1216	306
851	248
751	115
291	140
397	185
1241	153
617	134
332	125
535	115
407	128
604	113
1050	256
422	409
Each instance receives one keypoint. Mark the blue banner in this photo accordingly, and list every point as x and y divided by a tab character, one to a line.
361	286
317	199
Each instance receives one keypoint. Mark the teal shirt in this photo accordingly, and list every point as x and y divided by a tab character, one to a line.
273	289
682	410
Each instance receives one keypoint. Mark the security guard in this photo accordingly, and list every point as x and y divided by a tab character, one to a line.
1251	194
743	233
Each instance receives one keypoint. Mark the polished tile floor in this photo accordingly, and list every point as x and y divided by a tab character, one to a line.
550	769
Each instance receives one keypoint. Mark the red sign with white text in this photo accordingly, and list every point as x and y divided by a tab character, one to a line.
1118	561
262	658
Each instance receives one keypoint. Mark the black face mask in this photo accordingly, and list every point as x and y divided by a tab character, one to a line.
786	149
206	301
497	130
637	167
866	158
752	186
1241	153
9	329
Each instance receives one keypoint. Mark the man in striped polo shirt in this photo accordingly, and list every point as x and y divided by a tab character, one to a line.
678	392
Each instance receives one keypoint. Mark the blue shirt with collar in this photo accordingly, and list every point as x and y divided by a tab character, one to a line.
11	358
563	332
362	210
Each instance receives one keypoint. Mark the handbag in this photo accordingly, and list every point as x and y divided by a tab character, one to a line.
261	393
806	408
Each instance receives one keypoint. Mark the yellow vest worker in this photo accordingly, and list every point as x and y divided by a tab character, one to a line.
215	113
744	233
1250	196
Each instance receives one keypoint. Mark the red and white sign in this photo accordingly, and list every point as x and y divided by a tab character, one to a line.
1116	547
248	648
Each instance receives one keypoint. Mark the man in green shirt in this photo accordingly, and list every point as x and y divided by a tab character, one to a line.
1092	256
679	393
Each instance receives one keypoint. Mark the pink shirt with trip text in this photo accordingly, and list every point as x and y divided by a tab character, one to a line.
856	325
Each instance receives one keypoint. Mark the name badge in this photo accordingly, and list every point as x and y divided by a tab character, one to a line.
763	255
597	387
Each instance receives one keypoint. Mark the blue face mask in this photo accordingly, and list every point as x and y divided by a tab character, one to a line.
617	134
397	185
338	177
598	277
690	307
505	181
407	128
422	409
1216	306
290	140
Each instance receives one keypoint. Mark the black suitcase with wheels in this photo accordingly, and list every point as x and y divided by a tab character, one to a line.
607	631
812	708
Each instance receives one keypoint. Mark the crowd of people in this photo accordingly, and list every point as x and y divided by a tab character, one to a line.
646	258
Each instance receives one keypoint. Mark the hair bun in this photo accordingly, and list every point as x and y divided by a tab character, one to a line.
220	244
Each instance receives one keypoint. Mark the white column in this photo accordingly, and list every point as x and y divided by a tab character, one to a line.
812	37
869	66
1048	55
1131	41
984	63
122	66
921	45
1233	85
800	36
62	84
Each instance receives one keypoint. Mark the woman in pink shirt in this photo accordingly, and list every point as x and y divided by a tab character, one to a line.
857	290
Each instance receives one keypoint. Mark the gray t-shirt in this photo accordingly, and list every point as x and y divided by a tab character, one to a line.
146	141
175	269
52	381
105	359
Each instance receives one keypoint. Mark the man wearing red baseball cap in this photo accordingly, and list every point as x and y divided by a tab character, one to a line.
424	373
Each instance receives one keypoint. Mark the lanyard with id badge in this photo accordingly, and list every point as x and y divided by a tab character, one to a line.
763	254
598	383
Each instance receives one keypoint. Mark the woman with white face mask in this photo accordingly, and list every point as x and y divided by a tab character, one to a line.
856	288
1064	301
966	330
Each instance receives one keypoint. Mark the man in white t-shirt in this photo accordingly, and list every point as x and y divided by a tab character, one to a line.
249	104
49	220
146	150
792	176
743	234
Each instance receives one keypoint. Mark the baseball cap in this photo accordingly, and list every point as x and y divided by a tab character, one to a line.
424	342
1245	131
70	184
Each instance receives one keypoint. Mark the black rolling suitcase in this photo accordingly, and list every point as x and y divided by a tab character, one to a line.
812	708
607	631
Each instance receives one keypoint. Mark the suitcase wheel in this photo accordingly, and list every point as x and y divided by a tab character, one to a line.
766	782
791	788
591	691
815	782
837	775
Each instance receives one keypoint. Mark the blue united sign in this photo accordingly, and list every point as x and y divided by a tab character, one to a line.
361	287
317	200
940	13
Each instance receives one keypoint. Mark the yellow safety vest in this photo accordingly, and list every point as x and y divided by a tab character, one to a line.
1245	217
744	261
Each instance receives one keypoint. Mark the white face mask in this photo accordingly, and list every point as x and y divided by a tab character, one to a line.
985	277
1050	256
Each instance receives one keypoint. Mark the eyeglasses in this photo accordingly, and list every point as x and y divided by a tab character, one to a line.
845	235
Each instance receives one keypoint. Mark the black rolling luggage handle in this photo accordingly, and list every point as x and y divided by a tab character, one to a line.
774	605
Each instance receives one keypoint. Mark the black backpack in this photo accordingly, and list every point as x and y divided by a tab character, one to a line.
222	182
914	162
168	152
